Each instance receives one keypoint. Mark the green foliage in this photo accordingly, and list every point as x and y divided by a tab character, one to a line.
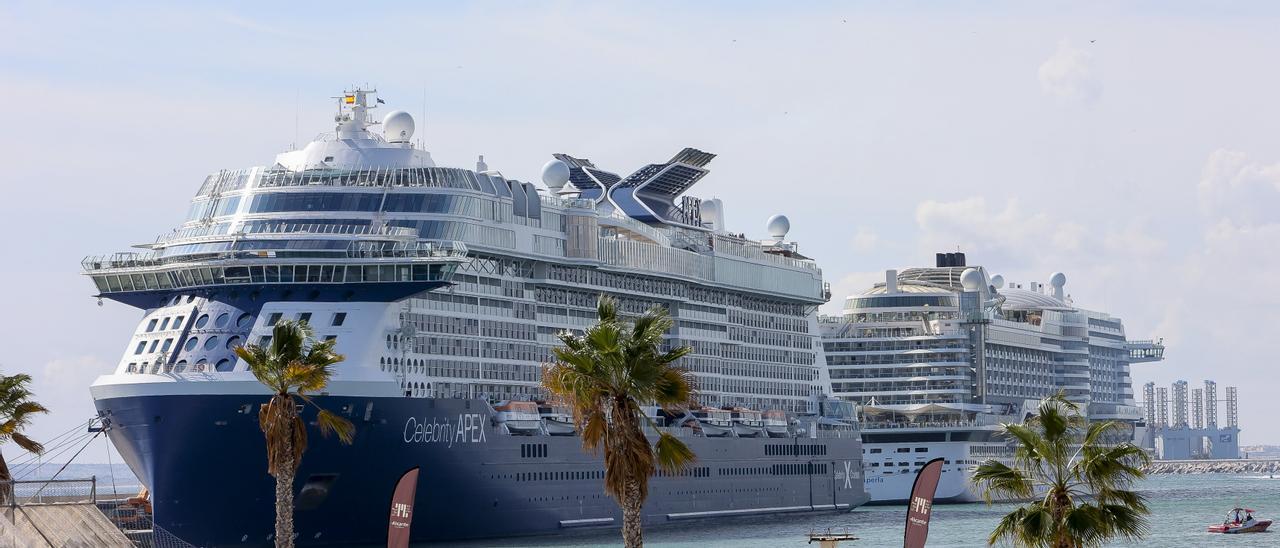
605	375
17	409
293	366
1078	483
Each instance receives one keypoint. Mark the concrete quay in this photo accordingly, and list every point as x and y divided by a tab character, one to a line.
1232	466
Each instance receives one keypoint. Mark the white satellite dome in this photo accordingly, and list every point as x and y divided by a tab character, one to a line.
997	281
971	279
778	226
555	174
1058	279
397	127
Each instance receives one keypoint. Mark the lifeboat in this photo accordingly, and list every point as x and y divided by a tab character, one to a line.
747	423
557	421
1241	520
775	423
520	418
714	423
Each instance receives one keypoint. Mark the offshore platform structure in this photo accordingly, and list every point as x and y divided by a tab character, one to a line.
1193	433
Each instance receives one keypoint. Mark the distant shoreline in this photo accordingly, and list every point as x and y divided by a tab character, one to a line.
1234	466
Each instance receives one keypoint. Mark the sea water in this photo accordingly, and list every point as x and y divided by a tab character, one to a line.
1182	507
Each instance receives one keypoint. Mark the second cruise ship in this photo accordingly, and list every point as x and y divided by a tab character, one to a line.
937	358
445	289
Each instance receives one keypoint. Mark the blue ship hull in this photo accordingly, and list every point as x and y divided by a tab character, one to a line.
203	457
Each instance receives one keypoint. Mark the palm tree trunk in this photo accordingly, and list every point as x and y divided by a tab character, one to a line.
6	488
632	535
284	498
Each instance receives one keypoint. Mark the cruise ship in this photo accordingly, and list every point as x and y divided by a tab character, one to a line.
937	358
444	289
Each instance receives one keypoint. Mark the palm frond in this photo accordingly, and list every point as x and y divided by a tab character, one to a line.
673	455
330	423
17	410
996	478
27	444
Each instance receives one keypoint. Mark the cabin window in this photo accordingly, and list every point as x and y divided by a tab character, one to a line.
338	318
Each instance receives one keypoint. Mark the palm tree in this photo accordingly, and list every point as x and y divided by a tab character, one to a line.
16	411
293	365
1078	482
605	375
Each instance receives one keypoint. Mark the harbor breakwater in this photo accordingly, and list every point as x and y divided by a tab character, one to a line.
1236	466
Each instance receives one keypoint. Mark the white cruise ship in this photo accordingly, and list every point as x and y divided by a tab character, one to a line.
937	358
445	289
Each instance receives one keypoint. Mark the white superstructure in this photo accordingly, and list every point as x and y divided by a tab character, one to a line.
939	357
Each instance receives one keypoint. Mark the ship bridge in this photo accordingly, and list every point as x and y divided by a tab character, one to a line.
1145	351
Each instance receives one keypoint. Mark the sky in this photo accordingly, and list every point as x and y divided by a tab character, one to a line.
1133	147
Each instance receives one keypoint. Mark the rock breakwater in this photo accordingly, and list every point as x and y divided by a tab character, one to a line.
1241	466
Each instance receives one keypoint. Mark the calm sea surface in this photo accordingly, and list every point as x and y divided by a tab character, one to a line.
1182	505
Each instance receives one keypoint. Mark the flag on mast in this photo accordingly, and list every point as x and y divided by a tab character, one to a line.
402	510
920	507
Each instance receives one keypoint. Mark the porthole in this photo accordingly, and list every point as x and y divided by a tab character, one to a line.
202	364
210	343
244	320
202	321
224	365
190	344
180	366
233	342
223	320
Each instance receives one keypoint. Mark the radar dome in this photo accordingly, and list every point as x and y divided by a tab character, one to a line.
971	279
778	226
397	127
712	213
997	281
1058	279
555	174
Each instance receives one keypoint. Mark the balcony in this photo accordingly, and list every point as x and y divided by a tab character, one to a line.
1145	351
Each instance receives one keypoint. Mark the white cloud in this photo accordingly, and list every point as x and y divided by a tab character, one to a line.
1069	74
865	239
850	284
1235	188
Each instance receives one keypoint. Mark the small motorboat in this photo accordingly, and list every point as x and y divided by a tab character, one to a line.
1241	520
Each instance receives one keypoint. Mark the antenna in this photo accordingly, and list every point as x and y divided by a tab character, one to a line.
422	139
